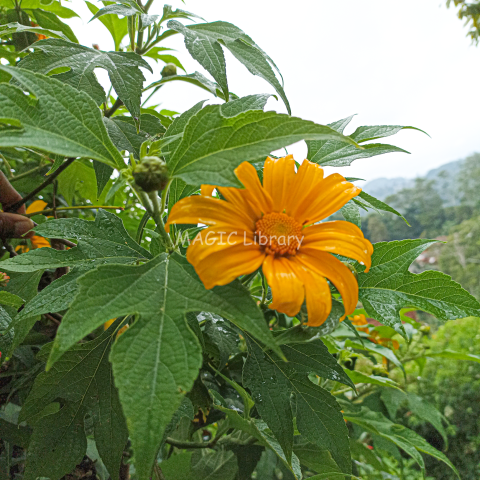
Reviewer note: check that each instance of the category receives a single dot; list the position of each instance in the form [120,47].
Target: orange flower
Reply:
[276,226]
[37,241]
[359,320]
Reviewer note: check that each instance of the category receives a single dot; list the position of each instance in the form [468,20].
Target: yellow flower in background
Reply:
[108,323]
[37,241]
[275,225]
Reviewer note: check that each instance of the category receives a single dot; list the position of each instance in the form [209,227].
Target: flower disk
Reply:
[279,233]
[277,226]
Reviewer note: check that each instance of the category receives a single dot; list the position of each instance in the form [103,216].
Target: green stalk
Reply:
[157,216]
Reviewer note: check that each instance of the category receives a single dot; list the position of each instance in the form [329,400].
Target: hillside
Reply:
[443,177]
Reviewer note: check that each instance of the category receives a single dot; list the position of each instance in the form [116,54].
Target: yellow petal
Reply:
[326,198]
[220,256]
[340,275]
[207,190]
[307,181]
[257,196]
[36,206]
[39,242]
[339,239]
[209,211]
[287,290]
[278,177]
[239,199]
[317,293]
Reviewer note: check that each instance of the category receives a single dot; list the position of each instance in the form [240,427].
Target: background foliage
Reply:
[210,384]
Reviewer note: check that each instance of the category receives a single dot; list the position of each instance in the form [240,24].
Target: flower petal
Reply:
[278,177]
[341,239]
[334,192]
[306,183]
[219,256]
[207,190]
[340,275]
[317,293]
[210,211]
[239,199]
[257,196]
[36,206]
[287,290]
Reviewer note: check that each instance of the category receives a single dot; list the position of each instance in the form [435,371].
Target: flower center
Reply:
[279,234]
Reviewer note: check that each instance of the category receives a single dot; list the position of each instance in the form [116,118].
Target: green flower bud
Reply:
[151,174]
[425,329]
[380,371]
[169,70]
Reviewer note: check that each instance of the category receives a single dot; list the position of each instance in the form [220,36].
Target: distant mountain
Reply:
[444,178]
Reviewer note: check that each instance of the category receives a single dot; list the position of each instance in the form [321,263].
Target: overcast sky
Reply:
[399,62]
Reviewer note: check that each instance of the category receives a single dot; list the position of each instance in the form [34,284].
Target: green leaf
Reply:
[53,298]
[373,132]
[406,439]
[372,202]
[318,416]
[161,292]
[117,9]
[359,377]
[81,132]
[14,27]
[375,348]
[214,143]
[259,430]
[169,13]
[220,338]
[154,53]
[428,412]
[455,355]
[118,27]
[209,37]
[79,177]
[196,79]
[177,467]
[389,286]
[123,69]
[52,22]
[316,459]
[6,336]
[10,299]
[103,241]
[213,465]
[206,51]
[53,6]
[351,213]
[103,173]
[57,445]
[83,378]
[124,134]
[14,434]
[337,154]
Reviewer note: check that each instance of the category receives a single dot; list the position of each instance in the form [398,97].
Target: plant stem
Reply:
[77,207]
[48,181]
[27,173]
[147,6]
[5,161]
[157,216]
[118,103]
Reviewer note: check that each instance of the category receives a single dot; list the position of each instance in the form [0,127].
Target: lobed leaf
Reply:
[80,133]
[156,361]
[123,69]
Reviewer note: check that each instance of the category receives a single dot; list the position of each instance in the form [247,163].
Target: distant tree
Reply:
[377,230]
[460,257]
[470,12]
[468,182]
[422,207]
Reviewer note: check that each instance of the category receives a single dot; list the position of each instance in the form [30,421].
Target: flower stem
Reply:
[157,216]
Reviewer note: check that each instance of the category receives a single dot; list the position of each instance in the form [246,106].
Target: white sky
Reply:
[399,62]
